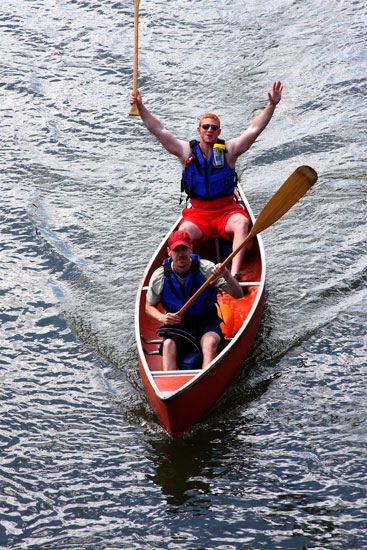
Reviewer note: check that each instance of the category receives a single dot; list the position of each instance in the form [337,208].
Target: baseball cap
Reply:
[179,237]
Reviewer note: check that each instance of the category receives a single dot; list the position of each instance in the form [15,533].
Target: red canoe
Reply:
[181,398]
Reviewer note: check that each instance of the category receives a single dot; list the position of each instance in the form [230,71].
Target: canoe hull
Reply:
[182,398]
[182,410]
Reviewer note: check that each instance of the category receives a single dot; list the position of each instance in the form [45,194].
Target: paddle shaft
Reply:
[134,111]
[298,183]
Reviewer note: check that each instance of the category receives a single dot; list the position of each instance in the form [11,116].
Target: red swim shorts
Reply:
[211,217]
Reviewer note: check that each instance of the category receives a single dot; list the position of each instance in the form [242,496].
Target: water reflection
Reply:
[180,466]
[185,467]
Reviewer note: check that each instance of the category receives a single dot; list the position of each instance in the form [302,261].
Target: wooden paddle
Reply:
[283,199]
[134,111]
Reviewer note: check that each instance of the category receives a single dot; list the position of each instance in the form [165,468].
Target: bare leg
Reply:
[237,229]
[193,230]
[209,344]
[169,355]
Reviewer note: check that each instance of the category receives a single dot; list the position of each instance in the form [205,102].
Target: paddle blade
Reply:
[298,183]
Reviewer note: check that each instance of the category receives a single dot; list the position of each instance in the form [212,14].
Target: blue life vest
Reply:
[200,180]
[175,295]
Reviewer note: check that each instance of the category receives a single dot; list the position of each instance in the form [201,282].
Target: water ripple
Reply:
[86,196]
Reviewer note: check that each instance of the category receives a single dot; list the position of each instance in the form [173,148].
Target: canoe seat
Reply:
[154,352]
[156,342]
[223,247]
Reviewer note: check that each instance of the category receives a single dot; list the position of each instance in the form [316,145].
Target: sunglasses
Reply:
[212,126]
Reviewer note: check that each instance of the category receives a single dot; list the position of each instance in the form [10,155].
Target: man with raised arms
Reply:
[211,185]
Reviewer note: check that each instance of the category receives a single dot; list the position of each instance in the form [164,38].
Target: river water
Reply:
[86,196]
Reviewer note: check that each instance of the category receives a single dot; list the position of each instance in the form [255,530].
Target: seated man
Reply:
[172,284]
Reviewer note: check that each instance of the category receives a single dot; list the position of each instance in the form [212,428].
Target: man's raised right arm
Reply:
[177,147]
